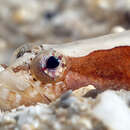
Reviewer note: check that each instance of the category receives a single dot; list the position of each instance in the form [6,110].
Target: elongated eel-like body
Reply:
[42,73]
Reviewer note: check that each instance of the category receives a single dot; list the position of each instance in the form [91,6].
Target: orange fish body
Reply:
[105,69]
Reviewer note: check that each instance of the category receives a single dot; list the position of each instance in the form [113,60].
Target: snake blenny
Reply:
[42,73]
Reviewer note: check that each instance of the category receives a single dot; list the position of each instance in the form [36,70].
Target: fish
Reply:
[43,72]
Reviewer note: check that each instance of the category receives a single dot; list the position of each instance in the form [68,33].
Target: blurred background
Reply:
[58,21]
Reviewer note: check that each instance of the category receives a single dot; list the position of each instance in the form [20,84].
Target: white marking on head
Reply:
[36,83]
[4,93]
[1,68]
[48,85]
[18,98]
[12,81]
[33,93]
[59,83]
[59,86]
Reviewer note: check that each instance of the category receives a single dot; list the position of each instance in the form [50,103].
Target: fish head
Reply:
[37,73]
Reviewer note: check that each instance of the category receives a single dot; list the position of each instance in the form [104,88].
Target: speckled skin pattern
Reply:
[28,83]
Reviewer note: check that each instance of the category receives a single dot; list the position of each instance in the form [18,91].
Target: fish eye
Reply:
[48,66]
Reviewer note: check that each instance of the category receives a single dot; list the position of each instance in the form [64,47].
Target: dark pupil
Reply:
[52,62]
[50,15]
